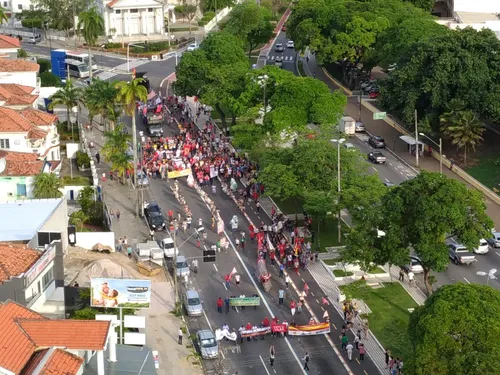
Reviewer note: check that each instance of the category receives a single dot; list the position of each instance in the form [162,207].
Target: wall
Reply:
[223,13]
[71,149]
[9,185]
[13,290]
[87,240]
[476,6]
[58,222]
[72,190]
[19,78]
[17,141]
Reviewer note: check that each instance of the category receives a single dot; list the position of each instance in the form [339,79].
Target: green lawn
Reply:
[290,206]
[389,317]
[342,273]
[328,233]
[331,262]
[76,181]
[487,171]
[376,270]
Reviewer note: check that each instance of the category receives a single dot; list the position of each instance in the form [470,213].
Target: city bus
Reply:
[77,69]
[81,57]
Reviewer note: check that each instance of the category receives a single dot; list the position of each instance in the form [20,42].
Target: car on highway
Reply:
[279,47]
[495,240]
[483,247]
[376,141]
[359,127]
[459,254]
[34,39]
[192,47]
[192,303]
[414,265]
[389,184]
[376,157]
[278,61]
[290,44]
[209,348]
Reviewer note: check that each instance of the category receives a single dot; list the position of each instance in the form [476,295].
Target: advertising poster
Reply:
[130,293]
[309,330]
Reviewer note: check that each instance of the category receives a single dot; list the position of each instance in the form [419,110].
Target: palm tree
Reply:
[128,94]
[451,114]
[92,25]
[47,185]
[68,95]
[116,143]
[3,15]
[100,98]
[467,132]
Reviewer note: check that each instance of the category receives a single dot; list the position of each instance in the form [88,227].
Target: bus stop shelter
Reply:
[411,143]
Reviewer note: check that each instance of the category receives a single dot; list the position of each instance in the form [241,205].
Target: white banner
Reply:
[220,334]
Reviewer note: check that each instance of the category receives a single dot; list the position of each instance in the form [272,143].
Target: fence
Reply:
[72,192]
[88,240]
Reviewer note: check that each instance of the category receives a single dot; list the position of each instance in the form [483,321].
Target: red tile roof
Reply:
[38,118]
[15,260]
[62,363]
[16,348]
[18,65]
[71,334]
[9,42]
[34,361]
[13,94]
[112,3]
[19,164]
[12,121]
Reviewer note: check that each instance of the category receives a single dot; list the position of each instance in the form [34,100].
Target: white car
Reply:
[290,44]
[349,146]
[413,266]
[483,247]
[192,47]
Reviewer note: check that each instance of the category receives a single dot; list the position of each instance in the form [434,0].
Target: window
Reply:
[150,9]
[5,4]
[4,143]
[45,238]
[134,10]
[48,278]
[118,11]
[20,6]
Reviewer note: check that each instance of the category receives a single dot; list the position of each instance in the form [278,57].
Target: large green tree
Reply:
[47,185]
[70,97]
[215,73]
[60,14]
[91,25]
[456,332]
[250,22]
[101,98]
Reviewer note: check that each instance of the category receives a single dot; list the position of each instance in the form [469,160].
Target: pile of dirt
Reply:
[102,268]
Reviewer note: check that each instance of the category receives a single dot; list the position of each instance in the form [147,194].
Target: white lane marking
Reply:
[215,267]
[387,180]
[263,364]
[468,282]
[263,299]
[312,294]
[496,252]
[223,356]
[223,283]
[236,308]
[208,321]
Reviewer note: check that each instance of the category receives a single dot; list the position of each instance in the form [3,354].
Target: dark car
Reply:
[376,142]
[156,220]
[376,157]
[152,207]
[279,47]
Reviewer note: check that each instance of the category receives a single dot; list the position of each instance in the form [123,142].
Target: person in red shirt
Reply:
[170,215]
[248,327]
[220,303]
[265,322]
[293,306]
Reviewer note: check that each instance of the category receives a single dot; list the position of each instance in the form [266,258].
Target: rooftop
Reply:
[38,118]
[21,219]
[21,164]
[23,331]
[13,94]
[12,121]
[15,260]
[18,65]
[132,360]
[473,17]
[7,42]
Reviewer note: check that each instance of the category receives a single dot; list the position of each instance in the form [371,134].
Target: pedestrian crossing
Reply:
[120,69]
[285,58]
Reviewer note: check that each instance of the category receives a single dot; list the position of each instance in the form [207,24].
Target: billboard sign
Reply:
[113,293]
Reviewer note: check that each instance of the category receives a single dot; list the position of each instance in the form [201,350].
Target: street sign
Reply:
[379,115]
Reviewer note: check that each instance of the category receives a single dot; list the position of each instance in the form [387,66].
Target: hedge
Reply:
[32,22]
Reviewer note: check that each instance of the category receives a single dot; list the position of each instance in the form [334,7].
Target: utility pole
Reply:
[417,148]
[74,22]
[175,271]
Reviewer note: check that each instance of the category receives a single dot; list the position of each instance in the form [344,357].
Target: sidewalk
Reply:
[391,136]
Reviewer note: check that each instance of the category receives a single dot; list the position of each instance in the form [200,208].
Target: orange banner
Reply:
[312,329]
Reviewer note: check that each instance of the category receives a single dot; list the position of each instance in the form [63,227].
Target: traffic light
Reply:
[208,255]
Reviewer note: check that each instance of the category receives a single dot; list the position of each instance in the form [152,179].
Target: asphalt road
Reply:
[289,54]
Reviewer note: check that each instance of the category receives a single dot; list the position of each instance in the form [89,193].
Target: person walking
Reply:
[272,355]
[220,302]
[344,342]
[362,351]
[357,337]
[387,357]
[349,349]
[306,361]
[401,275]
[411,278]
[98,157]
[228,281]
[237,279]
[118,213]
[226,303]
[180,336]
[282,270]
[287,280]
[293,306]
[281,296]
[242,328]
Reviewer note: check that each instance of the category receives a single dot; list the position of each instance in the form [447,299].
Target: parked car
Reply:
[167,244]
[374,93]
[279,47]
[192,303]
[414,265]
[290,44]
[494,241]
[389,184]
[278,61]
[209,348]
[37,38]
[483,247]
[376,157]
[359,126]
[458,253]
[142,179]
[376,142]
[181,266]
[192,47]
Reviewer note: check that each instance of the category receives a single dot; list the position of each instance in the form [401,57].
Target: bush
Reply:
[82,159]
[112,45]
[21,53]
[45,65]
[152,47]
[49,79]
[208,16]
[181,29]
[202,23]
[32,22]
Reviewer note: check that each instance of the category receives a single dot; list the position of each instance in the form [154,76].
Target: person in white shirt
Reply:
[237,279]
[287,280]
[349,348]
[411,278]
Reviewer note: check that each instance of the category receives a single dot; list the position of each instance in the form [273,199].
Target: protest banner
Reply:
[181,173]
[255,332]
[309,330]
[278,328]
[246,301]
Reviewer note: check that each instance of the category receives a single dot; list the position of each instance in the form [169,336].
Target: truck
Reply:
[347,125]
[154,122]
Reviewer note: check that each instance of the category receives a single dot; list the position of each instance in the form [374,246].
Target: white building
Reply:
[9,47]
[126,19]
[19,72]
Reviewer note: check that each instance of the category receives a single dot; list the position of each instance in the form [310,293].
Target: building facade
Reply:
[19,72]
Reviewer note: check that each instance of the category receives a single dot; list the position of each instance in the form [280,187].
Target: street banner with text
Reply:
[181,173]
[247,301]
[255,332]
[309,330]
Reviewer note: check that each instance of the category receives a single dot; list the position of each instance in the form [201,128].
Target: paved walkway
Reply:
[391,135]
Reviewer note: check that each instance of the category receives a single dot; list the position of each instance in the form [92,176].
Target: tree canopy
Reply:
[456,332]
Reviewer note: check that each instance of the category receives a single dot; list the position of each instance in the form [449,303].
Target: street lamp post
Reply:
[338,142]
[128,53]
[417,146]
[489,275]
[262,81]
[440,145]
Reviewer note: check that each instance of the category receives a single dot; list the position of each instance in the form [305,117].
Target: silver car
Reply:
[414,265]
[192,303]
[209,348]
[142,179]
[359,126]
[181,266]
